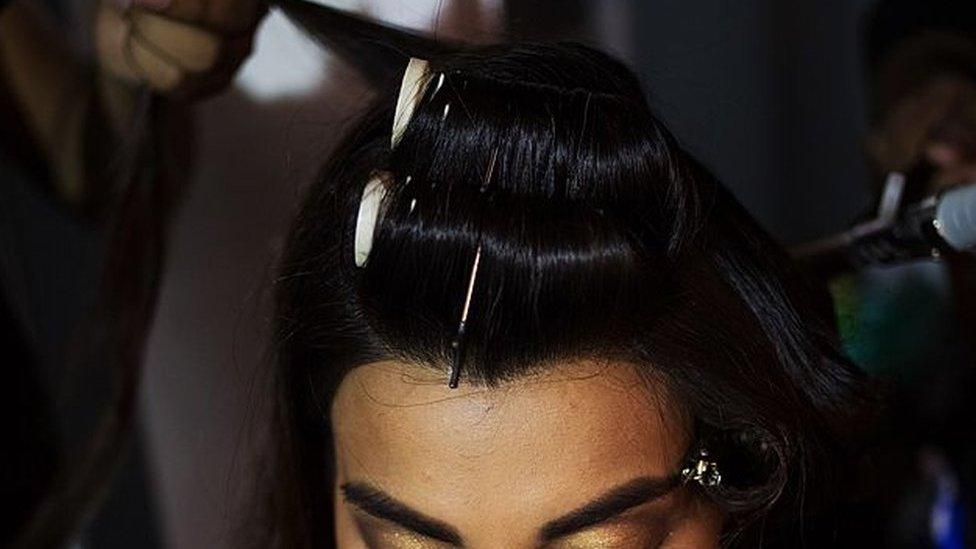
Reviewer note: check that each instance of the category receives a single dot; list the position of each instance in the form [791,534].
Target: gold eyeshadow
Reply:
[606,537]
[381,534]
[643,526]
[400,539]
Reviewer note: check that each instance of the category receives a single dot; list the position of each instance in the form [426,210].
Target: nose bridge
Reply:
[505,526]
[507,522]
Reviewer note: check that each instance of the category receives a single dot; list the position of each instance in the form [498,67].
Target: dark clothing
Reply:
[896,20]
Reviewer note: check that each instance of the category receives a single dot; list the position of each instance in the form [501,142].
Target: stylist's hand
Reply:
[181,48]
[935,124]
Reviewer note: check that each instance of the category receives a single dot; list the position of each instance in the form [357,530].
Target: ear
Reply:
[379,52]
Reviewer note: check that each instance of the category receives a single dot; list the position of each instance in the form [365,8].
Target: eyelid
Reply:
[376,503]
[362,518]
[655,512]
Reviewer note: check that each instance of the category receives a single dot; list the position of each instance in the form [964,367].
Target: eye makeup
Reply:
[603,538]
[377,533]
[638,513]
[369,500]
[646,526]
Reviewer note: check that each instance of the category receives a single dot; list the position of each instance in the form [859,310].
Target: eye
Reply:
[644,527]
[609,538]
[377,533]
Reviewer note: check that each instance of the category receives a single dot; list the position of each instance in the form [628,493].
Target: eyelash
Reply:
[647,535]
[368,535]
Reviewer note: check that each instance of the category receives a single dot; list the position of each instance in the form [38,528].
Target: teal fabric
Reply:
[895,321]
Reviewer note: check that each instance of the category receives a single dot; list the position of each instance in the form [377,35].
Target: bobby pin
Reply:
[440,82]
[491,170]
[459,340]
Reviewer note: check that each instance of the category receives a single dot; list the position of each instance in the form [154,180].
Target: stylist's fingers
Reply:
[173,57]
[222,16]
[132,48]
[194,86]
[126,56]
[180,59]
[190,48]
[954,163]
[941,111]
[218,76]
[111,35]
[157,69]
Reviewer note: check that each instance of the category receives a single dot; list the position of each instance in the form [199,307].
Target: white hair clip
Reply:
[369,212]
[415,79]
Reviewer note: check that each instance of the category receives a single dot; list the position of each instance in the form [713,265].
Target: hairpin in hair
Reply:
[459,340]
[491,170]
[415,79]
[702,470]
[458,344]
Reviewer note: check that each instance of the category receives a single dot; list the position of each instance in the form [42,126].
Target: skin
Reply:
[185,49]
[936,123]
[180,49]
[508,466]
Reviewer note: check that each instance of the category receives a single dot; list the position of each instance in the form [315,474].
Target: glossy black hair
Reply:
[601,237]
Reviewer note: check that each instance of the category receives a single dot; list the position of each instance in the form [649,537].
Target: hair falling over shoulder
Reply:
[598,235]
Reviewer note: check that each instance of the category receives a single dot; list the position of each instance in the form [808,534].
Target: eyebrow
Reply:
[381,505]
[626,496]
[638,491]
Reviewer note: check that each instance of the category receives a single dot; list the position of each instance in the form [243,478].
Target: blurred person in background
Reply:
[84,87]
[91,95]
[915,324]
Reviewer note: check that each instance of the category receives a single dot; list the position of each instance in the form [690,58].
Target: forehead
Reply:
[535,448]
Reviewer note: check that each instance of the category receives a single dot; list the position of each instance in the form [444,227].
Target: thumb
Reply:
[224,16]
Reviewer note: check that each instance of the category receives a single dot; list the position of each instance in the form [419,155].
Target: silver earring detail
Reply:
[702,470]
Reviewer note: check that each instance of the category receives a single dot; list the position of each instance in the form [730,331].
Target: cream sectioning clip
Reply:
[415,79]
[412,86]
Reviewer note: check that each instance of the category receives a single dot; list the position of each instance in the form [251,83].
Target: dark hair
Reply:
[600,237]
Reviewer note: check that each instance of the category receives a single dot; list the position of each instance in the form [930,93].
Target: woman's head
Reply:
[584,454]
[626,313]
